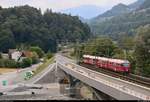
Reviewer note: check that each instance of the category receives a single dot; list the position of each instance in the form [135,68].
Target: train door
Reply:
[91,61]
[99,63]
[114,67]
[85,60]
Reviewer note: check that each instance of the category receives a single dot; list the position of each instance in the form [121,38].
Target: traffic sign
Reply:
[4,82]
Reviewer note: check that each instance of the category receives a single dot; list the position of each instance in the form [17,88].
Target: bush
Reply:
[35,58]
[49,55]
[8,63]
[27,62]
[0,55]
[38,50]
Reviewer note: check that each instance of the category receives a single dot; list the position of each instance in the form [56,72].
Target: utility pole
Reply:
[125,52]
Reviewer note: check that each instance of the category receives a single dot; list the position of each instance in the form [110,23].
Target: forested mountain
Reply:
[26,25]
[118,10]
[145,5]
[115,11]
[126,23]
[136,4]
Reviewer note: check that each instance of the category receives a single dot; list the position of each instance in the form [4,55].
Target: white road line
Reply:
[44,73]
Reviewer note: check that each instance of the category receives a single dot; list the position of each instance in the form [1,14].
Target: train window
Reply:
[118,64]
[126,64]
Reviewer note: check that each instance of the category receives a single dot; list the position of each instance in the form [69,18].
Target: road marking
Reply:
[51,67]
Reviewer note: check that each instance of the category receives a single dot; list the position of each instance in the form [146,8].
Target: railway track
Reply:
[128,77]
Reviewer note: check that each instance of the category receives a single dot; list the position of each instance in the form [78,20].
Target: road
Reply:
[13,78]
[43,85]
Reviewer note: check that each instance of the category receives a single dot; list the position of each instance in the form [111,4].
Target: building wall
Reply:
[16,55]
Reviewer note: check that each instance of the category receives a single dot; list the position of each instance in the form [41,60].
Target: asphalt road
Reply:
[13,78]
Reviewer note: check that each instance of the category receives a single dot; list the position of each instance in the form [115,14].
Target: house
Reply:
[19,55]
[25,54]
[16,55]
[10,52]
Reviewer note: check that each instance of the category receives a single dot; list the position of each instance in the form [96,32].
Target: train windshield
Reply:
[126,64]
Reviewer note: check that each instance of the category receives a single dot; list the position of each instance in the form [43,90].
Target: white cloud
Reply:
[58,5]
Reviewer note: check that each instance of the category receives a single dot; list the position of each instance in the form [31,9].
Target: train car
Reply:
[116,65]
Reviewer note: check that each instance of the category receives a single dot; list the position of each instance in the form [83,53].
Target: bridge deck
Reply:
[114,87]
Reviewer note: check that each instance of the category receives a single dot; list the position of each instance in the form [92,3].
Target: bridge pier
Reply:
[74,88]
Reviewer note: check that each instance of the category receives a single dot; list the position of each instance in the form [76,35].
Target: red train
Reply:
[116,65]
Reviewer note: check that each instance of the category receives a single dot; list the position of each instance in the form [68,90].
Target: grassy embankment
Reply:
[44,65]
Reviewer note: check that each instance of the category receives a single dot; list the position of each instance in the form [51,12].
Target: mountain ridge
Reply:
[118,9]
[126,23]
[85,11]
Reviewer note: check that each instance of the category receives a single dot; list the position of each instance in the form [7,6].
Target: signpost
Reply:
[4,82]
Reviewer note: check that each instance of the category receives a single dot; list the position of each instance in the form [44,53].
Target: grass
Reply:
[6,70]
[69,56]
[44,65]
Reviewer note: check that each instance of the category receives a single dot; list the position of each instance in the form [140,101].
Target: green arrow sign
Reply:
[4,82]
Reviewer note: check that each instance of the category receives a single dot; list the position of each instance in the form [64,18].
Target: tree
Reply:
[26,62]
[7,63]
[6,40]
[0,55]
[38,50]
[126,42]
[101,47]
[35,58]
[142,50]
[49,55]
[25,25]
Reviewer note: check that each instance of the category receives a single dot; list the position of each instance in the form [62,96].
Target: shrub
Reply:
[49,55]
[8,63]
[38,50]
[26,62]
[35,58]
[0,55]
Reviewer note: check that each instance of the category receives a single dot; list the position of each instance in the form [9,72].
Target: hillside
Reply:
[115,11]
[127,22]
[145,5]
[26,25]
[136,4]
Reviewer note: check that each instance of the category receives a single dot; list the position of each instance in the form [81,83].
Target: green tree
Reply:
[49,55]
[0,55]
[25,25]
[142,50]
[38,50]
[26,62]
[126,42]
[6,40]
[101,47]
[7,63]
[35,58]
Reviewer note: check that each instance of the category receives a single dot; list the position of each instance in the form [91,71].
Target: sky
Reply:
[59,5]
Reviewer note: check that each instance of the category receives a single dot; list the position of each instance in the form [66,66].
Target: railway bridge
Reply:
[114,87]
